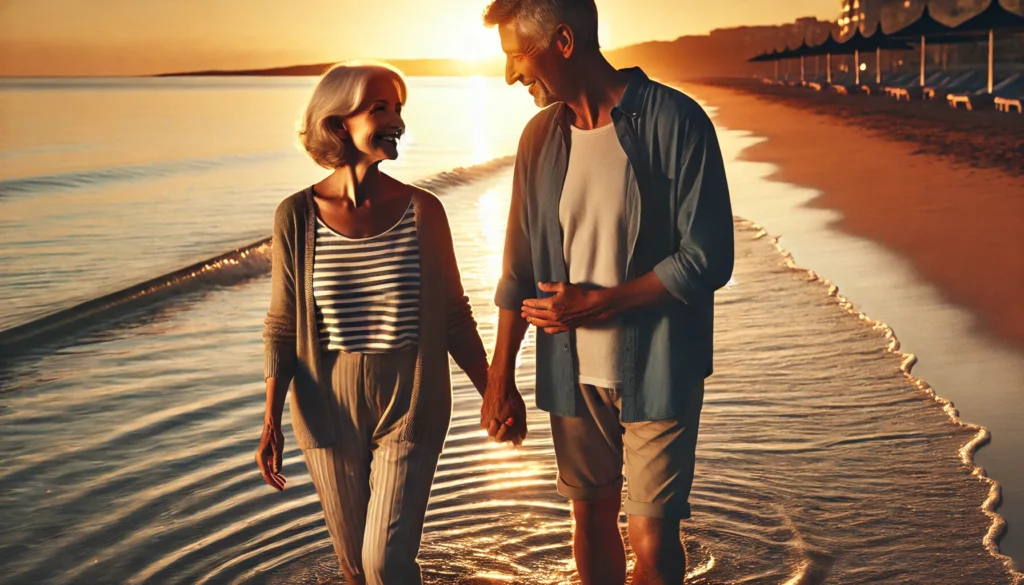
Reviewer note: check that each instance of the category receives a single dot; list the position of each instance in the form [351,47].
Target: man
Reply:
[619,232]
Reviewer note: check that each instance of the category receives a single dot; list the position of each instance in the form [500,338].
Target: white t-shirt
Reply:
[592,212]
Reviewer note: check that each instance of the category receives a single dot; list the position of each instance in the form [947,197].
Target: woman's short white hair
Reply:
[339,93]
[537,19]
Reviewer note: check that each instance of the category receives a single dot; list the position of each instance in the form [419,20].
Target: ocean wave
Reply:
[225,269]
[93,178]
[222,270]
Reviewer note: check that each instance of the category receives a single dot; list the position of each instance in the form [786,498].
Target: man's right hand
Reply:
[503,412]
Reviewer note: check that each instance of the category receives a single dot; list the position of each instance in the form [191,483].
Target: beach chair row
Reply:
[961,89]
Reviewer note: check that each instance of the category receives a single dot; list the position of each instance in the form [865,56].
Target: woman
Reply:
[366,305]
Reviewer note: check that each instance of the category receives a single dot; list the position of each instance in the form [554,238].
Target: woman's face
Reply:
[374,129]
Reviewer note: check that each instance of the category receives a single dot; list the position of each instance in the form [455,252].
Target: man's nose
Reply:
[511,76]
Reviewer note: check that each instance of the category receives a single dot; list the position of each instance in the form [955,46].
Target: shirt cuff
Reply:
[511,293]
[672,278]
[278,360]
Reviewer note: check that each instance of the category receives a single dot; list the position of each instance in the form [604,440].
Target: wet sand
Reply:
[895,173]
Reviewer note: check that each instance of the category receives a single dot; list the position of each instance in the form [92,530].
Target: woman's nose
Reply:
[396,120]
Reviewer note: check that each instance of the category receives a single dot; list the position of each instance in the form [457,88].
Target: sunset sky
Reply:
[125,37]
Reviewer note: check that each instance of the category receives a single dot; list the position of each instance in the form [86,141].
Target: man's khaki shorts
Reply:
[659,455]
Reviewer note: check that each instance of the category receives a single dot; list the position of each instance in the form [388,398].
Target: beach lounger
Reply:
[892,78]
[848,89]
[841,83]
[1009,104]
[908,80]
[890,90]
[960,83]
[889,87]
[916,90]
[1009,89]
[815,82]
[955,100]
[819,85]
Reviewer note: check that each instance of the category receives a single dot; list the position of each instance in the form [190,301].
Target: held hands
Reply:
[269,455]
[503,412]
[571,306]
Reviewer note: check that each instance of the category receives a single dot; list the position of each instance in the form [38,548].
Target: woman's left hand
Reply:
[269,455]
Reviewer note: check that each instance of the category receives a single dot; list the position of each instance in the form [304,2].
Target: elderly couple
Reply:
[619,233]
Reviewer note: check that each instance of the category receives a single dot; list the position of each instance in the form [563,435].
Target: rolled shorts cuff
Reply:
[589,493]
[671,511]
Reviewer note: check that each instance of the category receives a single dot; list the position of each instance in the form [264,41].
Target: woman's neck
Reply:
[355,183]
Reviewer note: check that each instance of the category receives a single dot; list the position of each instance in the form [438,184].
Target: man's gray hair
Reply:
[537,19]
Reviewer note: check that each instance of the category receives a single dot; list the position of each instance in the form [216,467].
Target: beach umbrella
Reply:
[770,57]
[879,40]
[765,57]
[784,55]
[828,48]
[773,56]
[925,26]
[854,45]
[777,57]
[802,51]
[993,18]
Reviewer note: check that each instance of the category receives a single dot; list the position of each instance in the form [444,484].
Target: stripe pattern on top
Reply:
[366,290]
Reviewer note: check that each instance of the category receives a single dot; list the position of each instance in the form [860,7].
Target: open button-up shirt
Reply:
[679,224]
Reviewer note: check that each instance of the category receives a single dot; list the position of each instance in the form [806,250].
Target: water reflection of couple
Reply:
[613,250]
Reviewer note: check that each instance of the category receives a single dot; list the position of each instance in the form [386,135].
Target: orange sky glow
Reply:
[133,37]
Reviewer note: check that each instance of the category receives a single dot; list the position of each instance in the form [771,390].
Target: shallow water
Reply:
[982,375]
[127,447]
[128,454]
[105,183]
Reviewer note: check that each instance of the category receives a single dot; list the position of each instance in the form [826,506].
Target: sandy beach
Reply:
[915,179]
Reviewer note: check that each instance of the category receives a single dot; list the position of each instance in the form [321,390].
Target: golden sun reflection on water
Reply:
[492,211]
[478,119]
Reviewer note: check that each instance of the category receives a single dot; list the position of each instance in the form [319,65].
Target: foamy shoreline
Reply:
[944,371]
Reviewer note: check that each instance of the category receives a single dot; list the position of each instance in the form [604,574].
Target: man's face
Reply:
[532,64]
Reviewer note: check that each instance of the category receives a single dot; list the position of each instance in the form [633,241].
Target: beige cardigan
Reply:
[291,335]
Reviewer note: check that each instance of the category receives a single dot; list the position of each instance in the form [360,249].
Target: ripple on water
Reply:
[129,458]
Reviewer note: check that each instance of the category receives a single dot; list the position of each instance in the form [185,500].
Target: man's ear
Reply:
[565,40]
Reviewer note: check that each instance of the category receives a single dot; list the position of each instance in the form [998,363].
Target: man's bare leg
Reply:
[596,542]
[660,557]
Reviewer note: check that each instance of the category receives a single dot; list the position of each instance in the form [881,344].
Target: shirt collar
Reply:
[632,98]
[629,104]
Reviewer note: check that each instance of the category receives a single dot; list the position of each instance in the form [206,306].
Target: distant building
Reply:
[893,14]
[862,14]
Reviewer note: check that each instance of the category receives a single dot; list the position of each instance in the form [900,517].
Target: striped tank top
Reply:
[366,290]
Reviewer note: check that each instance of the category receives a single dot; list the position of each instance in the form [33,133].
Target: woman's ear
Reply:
[337,125]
